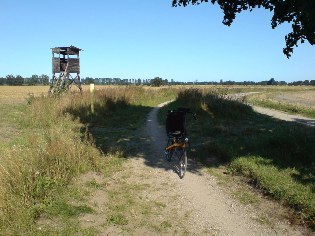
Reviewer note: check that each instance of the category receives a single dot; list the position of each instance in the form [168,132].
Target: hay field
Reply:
[294,100]
[304,98]
[18,94]
[303,95]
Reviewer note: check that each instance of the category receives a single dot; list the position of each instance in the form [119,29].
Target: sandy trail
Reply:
[213,212]
[275,113]
[285,116]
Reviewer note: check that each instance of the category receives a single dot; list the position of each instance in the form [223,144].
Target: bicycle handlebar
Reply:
[187,110]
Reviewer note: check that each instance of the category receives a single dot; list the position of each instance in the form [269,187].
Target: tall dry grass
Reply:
[51,154]
[54,149]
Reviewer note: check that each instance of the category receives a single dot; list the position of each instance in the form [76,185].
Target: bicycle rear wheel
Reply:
[169,155]
[182,162]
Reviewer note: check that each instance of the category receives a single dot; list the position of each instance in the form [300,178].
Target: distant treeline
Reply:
[157,81]
[19,80]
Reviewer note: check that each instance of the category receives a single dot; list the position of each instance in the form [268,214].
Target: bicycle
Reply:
[178,142]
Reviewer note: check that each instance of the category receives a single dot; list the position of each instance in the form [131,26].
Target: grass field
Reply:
[46,143]
[299,101]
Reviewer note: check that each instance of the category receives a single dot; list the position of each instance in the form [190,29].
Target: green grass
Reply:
[41,162]
[62,208]
[276,156]
[245,197]
[9,123]
[277,182]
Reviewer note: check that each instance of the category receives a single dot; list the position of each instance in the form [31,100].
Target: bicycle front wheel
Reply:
[182,163]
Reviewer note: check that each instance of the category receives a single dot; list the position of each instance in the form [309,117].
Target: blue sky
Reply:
[144,39]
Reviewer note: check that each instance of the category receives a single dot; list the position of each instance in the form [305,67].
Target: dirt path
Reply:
[212,211]
[285,116]
[275,113]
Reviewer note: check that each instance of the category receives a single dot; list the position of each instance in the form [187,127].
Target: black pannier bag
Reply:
[175,122]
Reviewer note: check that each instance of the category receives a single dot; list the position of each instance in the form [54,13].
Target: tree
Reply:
[33,80]
[301,13]
[19,80]
[271,82]
[89,80]
[12,80]
[282,83]
[156,82]
[2,81]
[44,79]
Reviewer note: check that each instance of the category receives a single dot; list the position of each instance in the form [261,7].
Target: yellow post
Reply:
[92,97]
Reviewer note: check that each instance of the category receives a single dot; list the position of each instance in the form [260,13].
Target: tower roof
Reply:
[72,50]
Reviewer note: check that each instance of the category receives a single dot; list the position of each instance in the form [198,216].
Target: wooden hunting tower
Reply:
[65,60]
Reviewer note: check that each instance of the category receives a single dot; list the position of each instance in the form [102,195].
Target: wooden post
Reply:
[92,97]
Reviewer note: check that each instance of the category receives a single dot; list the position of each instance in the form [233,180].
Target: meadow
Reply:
[299,101]
[47,142]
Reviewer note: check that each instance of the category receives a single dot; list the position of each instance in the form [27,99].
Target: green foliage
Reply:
[190,98]
[44,79]
[271,82]
[19,80]
[89,80]
[36,80]
[117,219]
[301,14]
[221,106]
[33,80]
[14,80]
[156,82]
[277,182]
[3,81]
[61,208]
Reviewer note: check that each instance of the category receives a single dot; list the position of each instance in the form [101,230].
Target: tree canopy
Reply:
[156,82]
[14,80]
[300,13]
